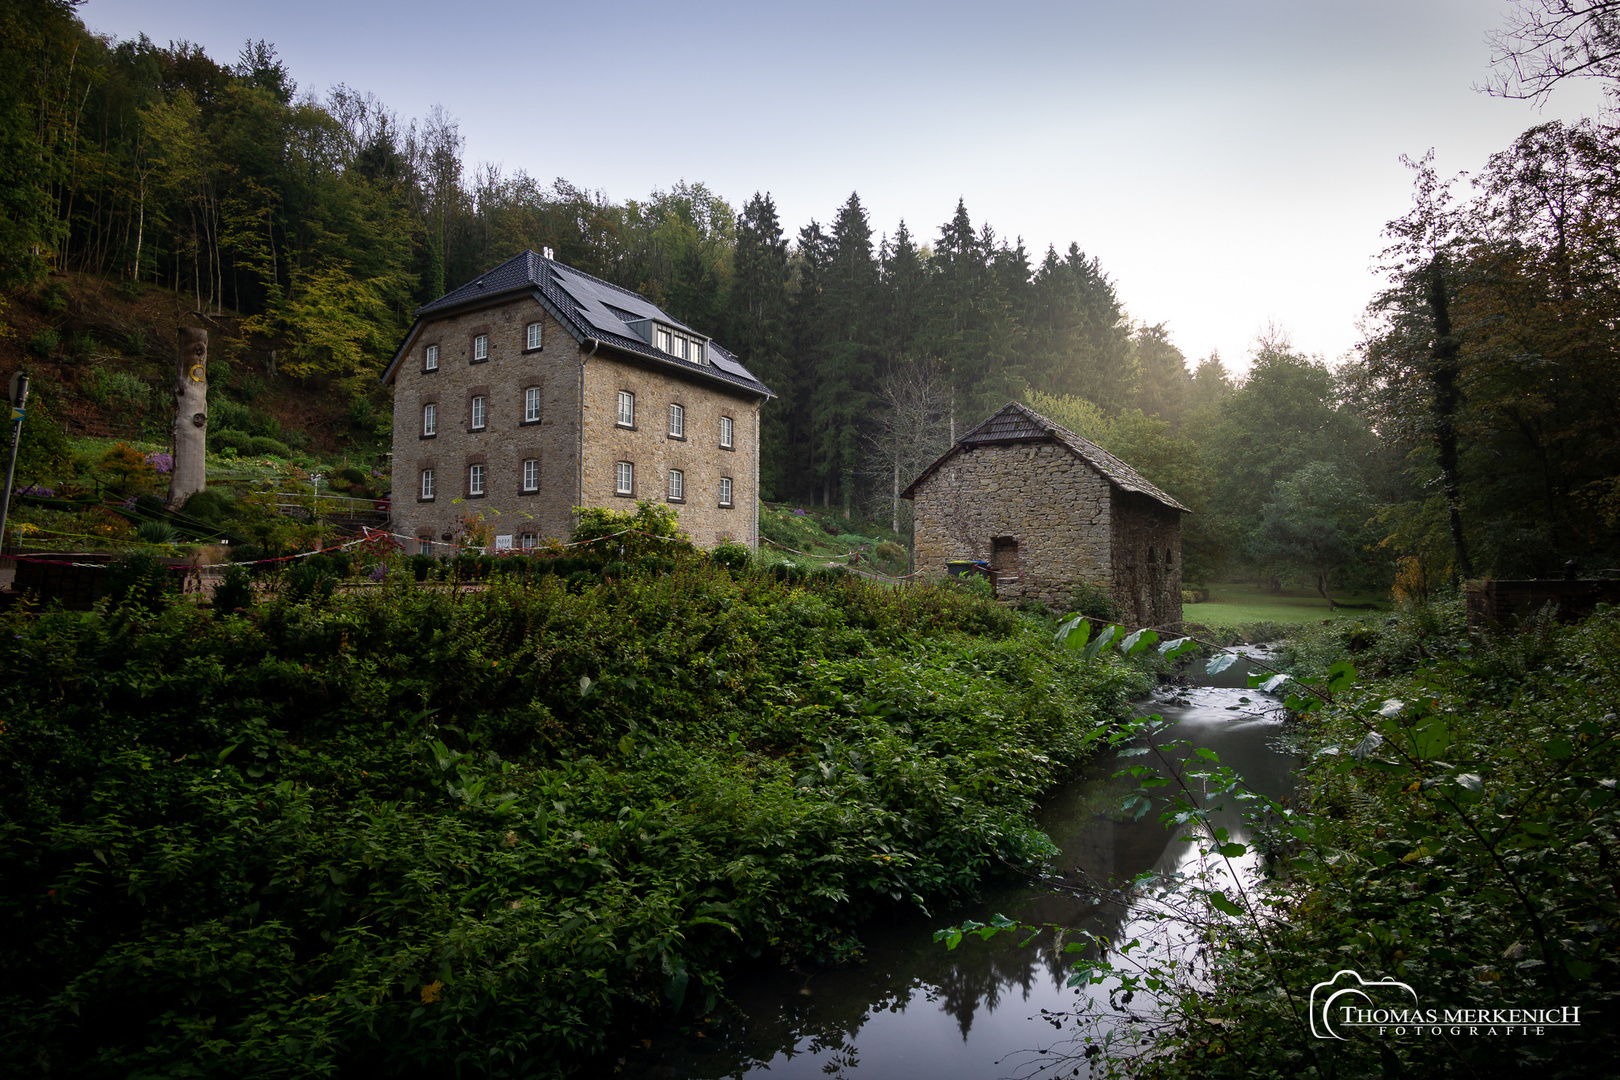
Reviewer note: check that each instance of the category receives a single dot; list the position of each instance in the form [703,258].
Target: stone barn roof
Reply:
[1019,423]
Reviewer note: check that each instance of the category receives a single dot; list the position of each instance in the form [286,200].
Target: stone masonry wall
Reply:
[653,451]
[505,440]
[1146,559]
[1055,507]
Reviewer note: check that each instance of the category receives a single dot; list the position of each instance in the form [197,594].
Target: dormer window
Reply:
[663,339]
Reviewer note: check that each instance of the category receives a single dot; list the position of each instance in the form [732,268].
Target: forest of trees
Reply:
[1475,432]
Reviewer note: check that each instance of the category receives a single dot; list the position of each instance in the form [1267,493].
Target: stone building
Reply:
[538,388]
[1048,510]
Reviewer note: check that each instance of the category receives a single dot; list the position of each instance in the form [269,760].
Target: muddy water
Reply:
[915,1011]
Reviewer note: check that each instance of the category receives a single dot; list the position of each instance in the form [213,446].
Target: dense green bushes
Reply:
[419,829]
[1460,835]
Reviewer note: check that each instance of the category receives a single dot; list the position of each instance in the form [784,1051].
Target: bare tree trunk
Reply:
[190,417]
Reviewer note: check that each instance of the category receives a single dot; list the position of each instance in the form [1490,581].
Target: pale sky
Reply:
[1232,164]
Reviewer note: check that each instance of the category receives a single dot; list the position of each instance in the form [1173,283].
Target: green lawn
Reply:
[1237,605]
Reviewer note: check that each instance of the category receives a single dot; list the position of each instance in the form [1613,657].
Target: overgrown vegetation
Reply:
[416,829]
[1455,830]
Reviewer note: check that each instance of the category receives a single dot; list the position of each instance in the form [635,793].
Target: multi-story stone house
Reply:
[1047,511]
[538,388]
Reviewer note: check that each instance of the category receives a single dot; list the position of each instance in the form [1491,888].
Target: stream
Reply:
[915,1011]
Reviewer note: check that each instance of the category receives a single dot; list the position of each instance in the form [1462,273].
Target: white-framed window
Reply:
[677,421]
[424,545]
[725,433]
[481,347]
[725,491]
[427,483]
[677,485]
[531,405]
[531,474]
[661,338]
[430,420]
[627,409]
[503,542]
[626,480]
[479,413]
[697,352]
[531,336]
[527,541]
[475,479]
[430,358]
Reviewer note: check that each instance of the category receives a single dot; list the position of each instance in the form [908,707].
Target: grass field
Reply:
[1237,605]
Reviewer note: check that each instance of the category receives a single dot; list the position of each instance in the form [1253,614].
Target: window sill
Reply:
[530,423]
[485,360]
[726,506]
[676,501]
[624,494]
[477,430]
[528,491]
[429,435]
[627,427]
[676,438]
[728,449]
[480,495]
[429,498]
[537,348]
[430,371]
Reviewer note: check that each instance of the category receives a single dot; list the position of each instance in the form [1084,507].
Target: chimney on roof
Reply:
[546,252]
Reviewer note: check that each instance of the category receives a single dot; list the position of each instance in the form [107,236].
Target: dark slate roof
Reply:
[1019,423]
[589,308]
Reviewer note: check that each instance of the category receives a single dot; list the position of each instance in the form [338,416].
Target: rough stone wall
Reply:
[1053,505]
[1146,556]
[653,451]
[505,440]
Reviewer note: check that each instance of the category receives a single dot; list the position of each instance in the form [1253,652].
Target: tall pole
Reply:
[19,409]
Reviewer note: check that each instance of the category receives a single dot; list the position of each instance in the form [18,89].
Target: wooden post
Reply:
[190,417]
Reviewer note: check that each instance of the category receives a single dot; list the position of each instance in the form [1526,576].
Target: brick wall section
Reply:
[653,453]
[505,441]
[1038,494]
[1049,521]
[1146,556]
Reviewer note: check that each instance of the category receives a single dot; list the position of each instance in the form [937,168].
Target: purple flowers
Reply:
[38,492]
[799,512]
[378,572]
[161,461]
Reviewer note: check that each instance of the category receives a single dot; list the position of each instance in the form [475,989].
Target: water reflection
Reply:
[914,1011]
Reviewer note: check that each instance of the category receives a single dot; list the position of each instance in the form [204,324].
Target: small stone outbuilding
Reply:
[1047,511]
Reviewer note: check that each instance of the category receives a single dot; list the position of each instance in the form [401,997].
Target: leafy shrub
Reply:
[53,299]
[211,505]
[229,439]
[112,388]
[265,446]
[1093,601]
[139,580]
[732,555]
[307,580]
[234,591]
[44,343]
[127,468]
